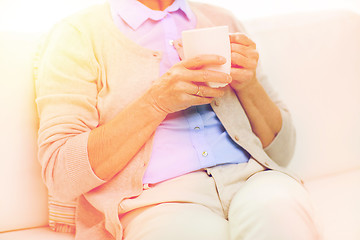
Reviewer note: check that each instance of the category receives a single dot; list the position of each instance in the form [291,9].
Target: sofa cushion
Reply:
[313,60]
[24,203]
[336,198]
[43,233]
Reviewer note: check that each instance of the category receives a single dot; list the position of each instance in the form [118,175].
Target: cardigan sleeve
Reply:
[282,148]
[66,88]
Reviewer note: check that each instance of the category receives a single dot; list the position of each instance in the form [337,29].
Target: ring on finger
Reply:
[198,91]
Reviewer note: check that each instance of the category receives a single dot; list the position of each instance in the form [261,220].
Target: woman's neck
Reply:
[159,5]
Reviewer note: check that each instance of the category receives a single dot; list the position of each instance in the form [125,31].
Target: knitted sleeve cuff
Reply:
[281,149]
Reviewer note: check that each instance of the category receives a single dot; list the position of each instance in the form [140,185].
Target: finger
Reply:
[204,76]
[245,51]
[190,88]
[202,61]
[208,92]
[199,90]
[241,38]
[196,100]
[238,60]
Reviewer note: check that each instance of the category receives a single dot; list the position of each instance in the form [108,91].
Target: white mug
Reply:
[213,40]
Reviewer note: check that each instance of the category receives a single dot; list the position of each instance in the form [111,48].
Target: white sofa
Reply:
[313,59]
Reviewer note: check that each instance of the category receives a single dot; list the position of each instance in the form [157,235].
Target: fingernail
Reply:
[229,78]
[222,59]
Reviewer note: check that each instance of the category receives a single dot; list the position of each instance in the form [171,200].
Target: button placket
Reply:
[171,33]
[198,137]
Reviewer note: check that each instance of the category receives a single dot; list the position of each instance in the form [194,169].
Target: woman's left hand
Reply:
[244,61]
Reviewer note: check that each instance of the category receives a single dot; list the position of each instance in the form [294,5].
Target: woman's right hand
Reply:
[184,85]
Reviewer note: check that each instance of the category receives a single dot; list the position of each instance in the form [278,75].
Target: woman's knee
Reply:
[176,221]
[271,189]
[273,203]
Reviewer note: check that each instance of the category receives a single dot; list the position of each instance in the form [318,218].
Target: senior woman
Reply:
[147,147]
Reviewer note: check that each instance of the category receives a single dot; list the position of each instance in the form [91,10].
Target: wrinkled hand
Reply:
[244,61]
[184,85]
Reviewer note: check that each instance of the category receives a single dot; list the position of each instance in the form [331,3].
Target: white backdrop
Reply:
[39,15]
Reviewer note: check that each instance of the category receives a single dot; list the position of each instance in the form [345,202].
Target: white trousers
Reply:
[235,202]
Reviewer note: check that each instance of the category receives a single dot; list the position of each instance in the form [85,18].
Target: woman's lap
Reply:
[198,206]
[175,221]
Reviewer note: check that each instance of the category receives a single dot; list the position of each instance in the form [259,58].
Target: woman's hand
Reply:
[263,114]
[184,85]
[244,61]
